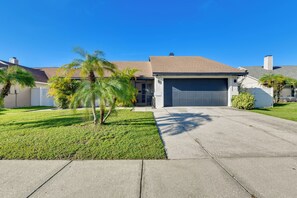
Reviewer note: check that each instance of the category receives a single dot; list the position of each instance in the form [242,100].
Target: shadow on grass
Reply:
[48,123]
[259,109]
[137,121]
[2,111]
[23,109]
[28,109]
[281,104]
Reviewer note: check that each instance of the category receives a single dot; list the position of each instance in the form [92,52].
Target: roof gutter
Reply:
[200,73]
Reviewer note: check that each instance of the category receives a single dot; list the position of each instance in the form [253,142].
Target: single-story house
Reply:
[165,81]
[264,95]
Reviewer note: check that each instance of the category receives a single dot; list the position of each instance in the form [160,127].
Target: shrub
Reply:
[243,101]
[62,89]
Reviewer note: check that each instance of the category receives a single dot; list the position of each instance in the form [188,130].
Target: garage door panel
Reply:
[195,92]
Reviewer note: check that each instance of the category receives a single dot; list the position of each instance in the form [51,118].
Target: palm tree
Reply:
[121,88]
[118,87]
[14,75]
[292,82]
[275,81]
[91,65]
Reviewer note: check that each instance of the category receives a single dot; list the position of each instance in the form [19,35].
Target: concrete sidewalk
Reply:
[119,178]
[236,177]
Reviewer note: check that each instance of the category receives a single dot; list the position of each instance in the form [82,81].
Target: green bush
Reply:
[243,101]
[62,89]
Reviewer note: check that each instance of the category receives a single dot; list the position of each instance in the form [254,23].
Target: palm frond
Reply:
[18,75]
[81,52]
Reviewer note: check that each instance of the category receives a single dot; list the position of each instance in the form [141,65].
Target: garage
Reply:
[196,92]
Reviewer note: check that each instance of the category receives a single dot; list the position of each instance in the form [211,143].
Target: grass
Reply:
[282,110]
[60,134]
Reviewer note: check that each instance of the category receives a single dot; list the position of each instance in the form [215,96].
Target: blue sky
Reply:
[235,32]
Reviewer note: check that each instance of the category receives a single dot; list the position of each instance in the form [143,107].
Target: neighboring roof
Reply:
[38,74]
[190,65]
[258,71]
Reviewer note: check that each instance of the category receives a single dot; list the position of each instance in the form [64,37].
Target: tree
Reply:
[89,66]
[292,82]
[121,89]
[62,89]
[118,87]
[14,75]
[277,82]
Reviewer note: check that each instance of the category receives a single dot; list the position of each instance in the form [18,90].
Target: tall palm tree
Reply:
[14,75]
[91,65]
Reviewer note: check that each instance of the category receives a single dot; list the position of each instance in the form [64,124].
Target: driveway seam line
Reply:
[141,178]
[263,130]
[241,157]
[46,181]
[228,172]
[215,160]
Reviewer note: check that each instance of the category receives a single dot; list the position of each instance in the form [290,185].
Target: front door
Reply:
[145,93]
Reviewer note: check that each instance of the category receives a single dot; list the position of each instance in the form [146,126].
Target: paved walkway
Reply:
[213,152]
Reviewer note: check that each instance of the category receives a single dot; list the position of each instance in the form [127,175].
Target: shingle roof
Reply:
[258,71]
[144,69]
[190,65]
[38,74]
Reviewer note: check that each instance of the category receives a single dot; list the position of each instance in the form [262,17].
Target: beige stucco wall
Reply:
[22,98]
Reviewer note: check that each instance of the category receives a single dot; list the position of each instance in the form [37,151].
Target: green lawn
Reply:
[60,134]
[283,110]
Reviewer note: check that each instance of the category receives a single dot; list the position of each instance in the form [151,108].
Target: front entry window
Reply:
[145,93]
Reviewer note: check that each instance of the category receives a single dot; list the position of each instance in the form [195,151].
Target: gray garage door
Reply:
[195,92]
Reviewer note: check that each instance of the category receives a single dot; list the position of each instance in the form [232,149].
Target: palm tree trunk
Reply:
[278,96]
[4,92]
[110,109]
[92,79]
[94,110]
[101,112]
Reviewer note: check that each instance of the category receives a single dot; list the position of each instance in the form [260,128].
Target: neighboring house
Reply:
[24,97]
[179,81]
[264,95]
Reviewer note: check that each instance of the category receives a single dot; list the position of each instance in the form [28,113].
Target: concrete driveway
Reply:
[259,152]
